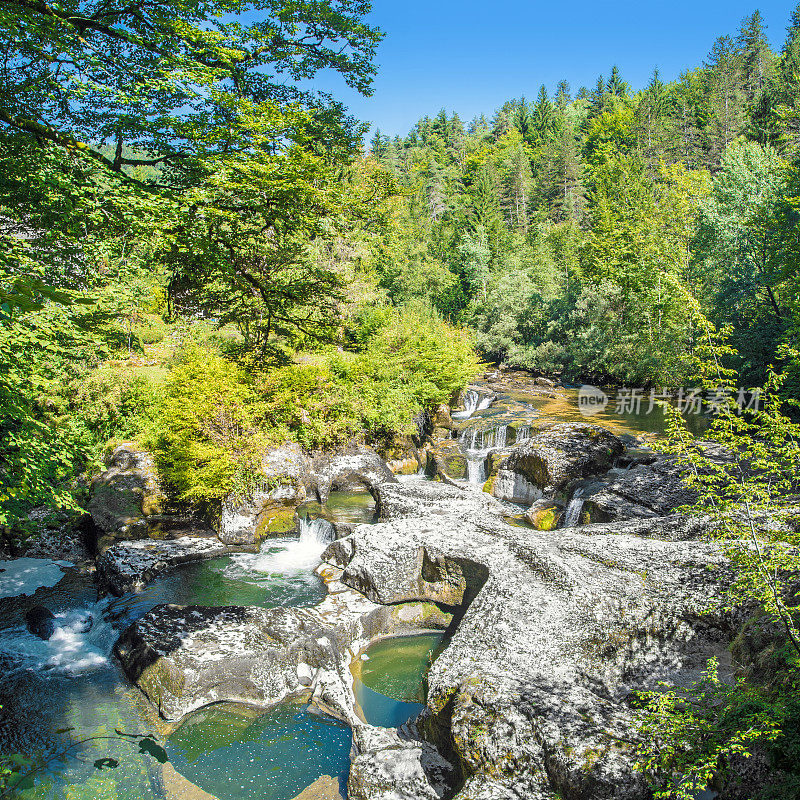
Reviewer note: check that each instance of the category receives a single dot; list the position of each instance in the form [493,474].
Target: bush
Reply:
[205,438]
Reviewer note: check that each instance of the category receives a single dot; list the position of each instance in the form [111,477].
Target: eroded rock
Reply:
[530,698]
[130,566]
[355,468]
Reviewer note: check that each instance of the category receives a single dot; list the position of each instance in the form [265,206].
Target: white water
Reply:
[572,514]
[473,401]
[523,433]
[82,642]
[477,445]
[288,556]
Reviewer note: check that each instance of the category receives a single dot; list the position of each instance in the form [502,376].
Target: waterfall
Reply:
[477,445]
[473,401]
[316,532]
[572,513]
[476,467]
[523,433]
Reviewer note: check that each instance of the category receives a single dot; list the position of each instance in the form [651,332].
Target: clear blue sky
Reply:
[470,56]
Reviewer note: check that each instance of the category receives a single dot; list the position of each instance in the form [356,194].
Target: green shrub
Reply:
[205,440]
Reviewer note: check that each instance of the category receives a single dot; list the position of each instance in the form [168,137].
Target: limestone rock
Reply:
[130,566]
[564,453]
[657,486]
[252,519]
[125,494]
[388,767]
[446,458]
[354,468]
[185,657]
[545,515]
[530,696]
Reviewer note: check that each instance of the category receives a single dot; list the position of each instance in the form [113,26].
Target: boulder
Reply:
[354,468]
[130,566]
[41,622]
[566,452]
[658,487]
[285,470]
[545,515]
[185,657]
[441,417]
[446,458]
[531,696]
[250,520]
[125,494]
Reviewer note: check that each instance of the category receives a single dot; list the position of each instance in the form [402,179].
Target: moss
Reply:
[275,520]
[158,681]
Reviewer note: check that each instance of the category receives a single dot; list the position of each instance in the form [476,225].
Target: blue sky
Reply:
[469,56]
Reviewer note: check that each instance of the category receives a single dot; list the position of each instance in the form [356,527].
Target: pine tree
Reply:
[616,87]
[755,55]
[563,98]
[725,94]
[543,120]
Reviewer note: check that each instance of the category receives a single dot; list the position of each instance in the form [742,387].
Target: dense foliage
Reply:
[569,230]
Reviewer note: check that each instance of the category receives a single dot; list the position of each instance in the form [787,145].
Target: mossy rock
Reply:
[275,520]
[158,681]
[545,515]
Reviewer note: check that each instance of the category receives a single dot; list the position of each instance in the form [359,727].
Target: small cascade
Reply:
[477,444]
[473,401]
[476,467]
[572,513]
[316,532]
[484,440]
[523,433]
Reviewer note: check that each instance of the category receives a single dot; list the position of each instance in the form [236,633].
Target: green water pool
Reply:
[390,677]
[236,752]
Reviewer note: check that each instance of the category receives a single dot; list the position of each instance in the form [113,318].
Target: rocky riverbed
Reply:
[597,591]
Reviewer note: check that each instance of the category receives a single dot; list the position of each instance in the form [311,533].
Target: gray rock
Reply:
[355,468]
[657,487]
[130,566]
[184,657]
[558,629]
[563,453]
[125,494]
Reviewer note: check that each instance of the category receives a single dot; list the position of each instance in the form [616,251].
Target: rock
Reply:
[441,417]
[250,520]
[56,536]
[130,566]
[125,494]
[657,487]
[514,487]
[285,470]
[530,697]
[394,501]
[446,458]
[355,468]
[41,622]
[185,657]
[305,675]
[545,515]
[390,768]
[324,788]
[563,453]
[544,382]
[176,787]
